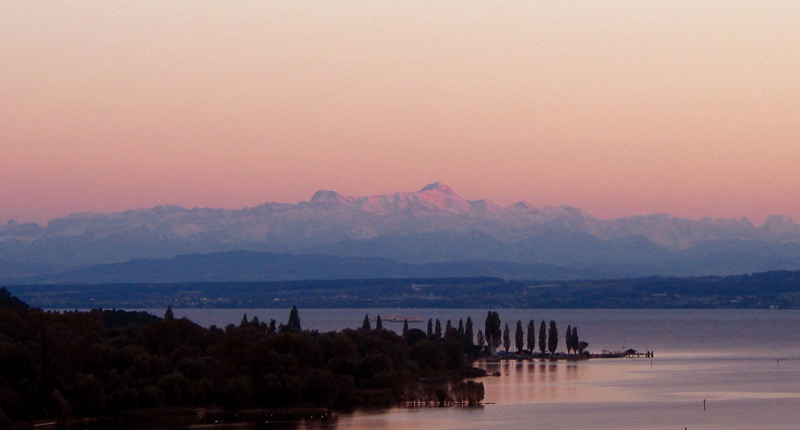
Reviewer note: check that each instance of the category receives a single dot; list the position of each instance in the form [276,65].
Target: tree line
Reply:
[494,335]
[525,342]
[104,362]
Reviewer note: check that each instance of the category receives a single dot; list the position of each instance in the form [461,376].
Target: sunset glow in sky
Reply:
[616,107]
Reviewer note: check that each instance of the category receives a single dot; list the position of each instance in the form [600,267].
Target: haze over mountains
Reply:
[399,234]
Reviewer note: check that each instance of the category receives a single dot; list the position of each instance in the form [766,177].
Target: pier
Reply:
[527,356]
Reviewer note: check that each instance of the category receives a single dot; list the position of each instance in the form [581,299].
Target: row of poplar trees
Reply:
[547,341]
[493,336]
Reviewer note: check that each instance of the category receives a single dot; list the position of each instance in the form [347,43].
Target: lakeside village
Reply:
[124,368]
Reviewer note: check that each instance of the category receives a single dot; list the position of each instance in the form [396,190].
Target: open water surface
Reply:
[713,369]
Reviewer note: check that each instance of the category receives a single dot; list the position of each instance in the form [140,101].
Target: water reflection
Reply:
[746,364]
[540,381]
[599,394]
[211,419]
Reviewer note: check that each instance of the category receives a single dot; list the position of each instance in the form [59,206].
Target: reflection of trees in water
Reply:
[469,393]
[547,373]
[533,380]
[571,372]
[268,419]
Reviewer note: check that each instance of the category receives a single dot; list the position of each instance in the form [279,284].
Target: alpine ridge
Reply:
[433,224]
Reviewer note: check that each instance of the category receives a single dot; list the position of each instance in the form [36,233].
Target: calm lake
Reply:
[743,364]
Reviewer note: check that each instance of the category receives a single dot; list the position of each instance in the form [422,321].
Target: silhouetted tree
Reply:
[405,329]
[244,321]
[568,338]
[531,336]
[518,336]
[366,325]
[430,328]
[101,363]
[552,338]
[437,331]
[481,339]
[577,345]
[469,392]
[451,334]
[492,330]
[506,338]
[415,335]
[294,320]
[169,315]
[468,335]
[542,337]
[378,323]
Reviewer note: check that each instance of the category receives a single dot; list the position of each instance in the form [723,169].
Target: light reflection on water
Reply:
[745,364]
[540,381]
[665,393]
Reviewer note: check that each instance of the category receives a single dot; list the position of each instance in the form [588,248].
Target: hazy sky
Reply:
[617,107]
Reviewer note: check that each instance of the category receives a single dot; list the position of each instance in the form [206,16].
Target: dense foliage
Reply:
[100,363]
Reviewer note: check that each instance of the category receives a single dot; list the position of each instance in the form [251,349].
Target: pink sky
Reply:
[620,108]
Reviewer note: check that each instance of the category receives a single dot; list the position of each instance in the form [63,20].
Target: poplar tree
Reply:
[493,330]
[487,328]
[437,331]
[378,323]
[294,319]
[366,325]
[405,328]
[531,336]
[519,336]
[576,341]
[542,337]
[568,339]
[552,338]
[430,328]
[468,335]
[506,338]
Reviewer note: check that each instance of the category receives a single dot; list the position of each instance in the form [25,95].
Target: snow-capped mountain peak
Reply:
[437,187]
[327,196]
[330,221]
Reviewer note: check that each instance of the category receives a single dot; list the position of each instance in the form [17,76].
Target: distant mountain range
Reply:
[389,235]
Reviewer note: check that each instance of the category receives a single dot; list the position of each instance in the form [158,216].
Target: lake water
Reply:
[743,364]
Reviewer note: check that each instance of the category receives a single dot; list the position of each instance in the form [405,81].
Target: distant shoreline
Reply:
[767,290]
